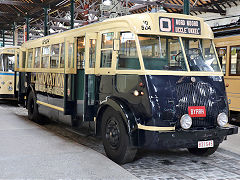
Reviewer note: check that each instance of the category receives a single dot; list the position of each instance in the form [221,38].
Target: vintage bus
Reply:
[8,72]
[145,80]
[228,49]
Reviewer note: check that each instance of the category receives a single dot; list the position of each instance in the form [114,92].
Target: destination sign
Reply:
[177,25]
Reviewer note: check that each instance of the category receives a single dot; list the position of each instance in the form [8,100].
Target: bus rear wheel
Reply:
[32,107]
[203,151]
[115,137]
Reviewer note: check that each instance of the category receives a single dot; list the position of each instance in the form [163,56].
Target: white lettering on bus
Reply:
[197,111]
[180,22]
[192,23]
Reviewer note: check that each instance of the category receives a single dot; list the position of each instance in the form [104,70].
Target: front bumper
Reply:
[183,138]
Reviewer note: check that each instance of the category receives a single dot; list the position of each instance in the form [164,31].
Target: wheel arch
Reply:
[129,118]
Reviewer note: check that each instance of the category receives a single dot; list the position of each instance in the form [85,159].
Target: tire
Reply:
[32,107]
[203,151]
[115,137]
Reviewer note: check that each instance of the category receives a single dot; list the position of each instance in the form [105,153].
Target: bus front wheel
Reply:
[32,107]
[115,137]
[203,151]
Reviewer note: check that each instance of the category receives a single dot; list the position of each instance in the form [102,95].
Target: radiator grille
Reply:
[197,94]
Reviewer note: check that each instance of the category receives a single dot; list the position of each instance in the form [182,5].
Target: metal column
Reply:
[45,21]
[3,38]
[186,7]
[27,28]
[13,34]
[72,14]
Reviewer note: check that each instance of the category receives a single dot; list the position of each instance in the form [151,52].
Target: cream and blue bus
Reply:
[145,80]
[9,61]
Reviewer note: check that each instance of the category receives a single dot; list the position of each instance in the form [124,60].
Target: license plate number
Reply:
[205,144]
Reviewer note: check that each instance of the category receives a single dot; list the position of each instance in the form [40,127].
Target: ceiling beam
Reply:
[19,3]
[219,8]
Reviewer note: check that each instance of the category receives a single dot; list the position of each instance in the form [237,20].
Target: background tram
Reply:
[9,63]
[228,49]
[145,80]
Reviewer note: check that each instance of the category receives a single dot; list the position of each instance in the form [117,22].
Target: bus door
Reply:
[90,78]
[69,77]
[80,77]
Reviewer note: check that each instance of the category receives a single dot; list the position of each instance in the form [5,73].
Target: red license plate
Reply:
[205,144]
[197,111]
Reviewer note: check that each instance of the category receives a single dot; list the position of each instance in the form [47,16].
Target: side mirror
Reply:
[116,44]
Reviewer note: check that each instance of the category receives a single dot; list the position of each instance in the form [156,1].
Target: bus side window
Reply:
[235,60]
[80,52]
[106,50]
[92,53]
[222,56]
[62,56]
[30,58]
[23,59]
[70,55]
[54,58]
[37,57]
[45,56]
[128,57]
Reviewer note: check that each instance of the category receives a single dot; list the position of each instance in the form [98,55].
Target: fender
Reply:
[128,116]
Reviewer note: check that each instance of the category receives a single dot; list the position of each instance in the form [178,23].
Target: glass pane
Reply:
[106,58]
[235,60]
[37,57]
[45,56]
[30,57]
[70,53]
[128,57]
[162,53]
[23,59]
[222,56]
[81,53]
[62,57]
[201,55]
[92,53]
[54,58]
[17,60]
[7,62]
[107,40]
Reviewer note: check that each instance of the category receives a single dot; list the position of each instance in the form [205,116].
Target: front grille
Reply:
[197,94]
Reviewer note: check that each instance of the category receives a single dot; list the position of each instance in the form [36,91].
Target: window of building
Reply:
[106,50]
[54,58]
[37,57]
[45,56]
[30,58]
[235,61]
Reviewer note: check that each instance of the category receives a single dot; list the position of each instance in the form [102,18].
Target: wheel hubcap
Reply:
[113,133]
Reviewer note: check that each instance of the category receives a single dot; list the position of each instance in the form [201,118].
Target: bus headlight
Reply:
[222,119]
[186,121]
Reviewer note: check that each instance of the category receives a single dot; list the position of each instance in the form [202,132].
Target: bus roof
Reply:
[166,24]
[9,49]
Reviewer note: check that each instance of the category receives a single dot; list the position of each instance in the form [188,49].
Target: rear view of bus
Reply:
[8,77]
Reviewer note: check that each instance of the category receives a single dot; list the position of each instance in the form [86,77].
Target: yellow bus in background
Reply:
[9,63]
[228,49]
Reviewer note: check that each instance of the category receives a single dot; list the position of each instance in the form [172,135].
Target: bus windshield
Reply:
[201,55]
[7,62]
[162,53]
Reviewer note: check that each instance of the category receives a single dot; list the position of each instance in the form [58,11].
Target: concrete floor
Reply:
[28,151]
